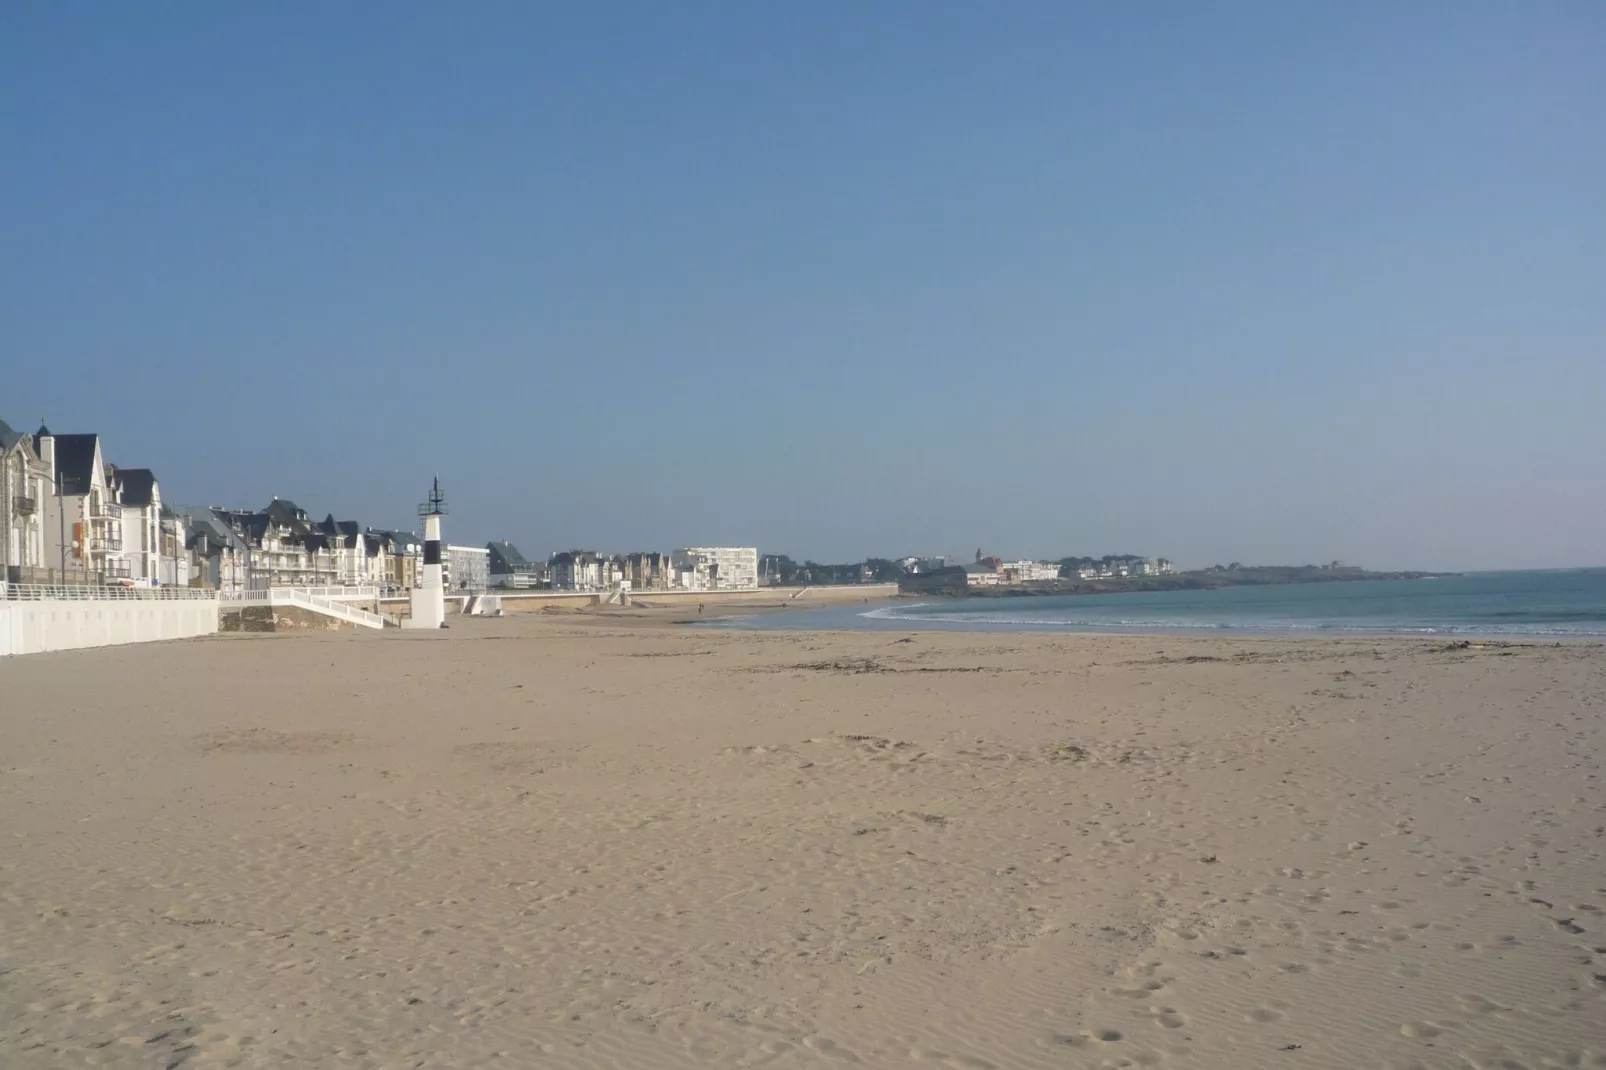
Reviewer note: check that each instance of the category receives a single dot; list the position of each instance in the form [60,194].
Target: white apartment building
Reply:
[140,498]
[716,568]
[466,568]
[1029,571]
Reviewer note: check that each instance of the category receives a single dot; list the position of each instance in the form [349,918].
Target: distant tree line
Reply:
[1107,561]
[781,569]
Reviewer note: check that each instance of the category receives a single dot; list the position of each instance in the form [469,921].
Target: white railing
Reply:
[354,594]
[301,597]
[334,594]
[42,592]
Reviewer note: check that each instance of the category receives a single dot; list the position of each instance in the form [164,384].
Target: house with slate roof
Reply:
[138,495]
[509,568]
[83,530]
[404,552]
[24,496]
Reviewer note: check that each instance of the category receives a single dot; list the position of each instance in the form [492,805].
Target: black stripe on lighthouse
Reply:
[432,551]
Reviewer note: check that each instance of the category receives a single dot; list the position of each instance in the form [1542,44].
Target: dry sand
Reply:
[560,842]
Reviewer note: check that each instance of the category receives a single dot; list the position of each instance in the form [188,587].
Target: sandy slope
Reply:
[556,843]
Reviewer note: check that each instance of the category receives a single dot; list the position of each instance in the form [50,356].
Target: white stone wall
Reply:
[35,627]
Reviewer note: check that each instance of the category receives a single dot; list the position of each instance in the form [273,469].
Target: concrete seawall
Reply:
[534,601]
[517,601]
[37,626]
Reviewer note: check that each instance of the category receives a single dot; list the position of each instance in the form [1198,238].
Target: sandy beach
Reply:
[579,841]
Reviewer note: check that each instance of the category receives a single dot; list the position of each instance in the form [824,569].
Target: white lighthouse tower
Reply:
[428,599]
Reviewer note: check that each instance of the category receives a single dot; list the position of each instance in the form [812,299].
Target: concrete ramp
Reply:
[482,605]
[302,599]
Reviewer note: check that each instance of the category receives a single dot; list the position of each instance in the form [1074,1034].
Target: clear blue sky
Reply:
[1267,281]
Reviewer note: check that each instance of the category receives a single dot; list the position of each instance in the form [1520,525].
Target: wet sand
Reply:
[594,841]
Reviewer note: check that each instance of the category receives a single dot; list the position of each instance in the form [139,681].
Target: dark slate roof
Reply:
[286,512]
[136,486]
[349,528]
[255,525]
[210,525]
[8,437]
[401,542]
[505,557]
[75,460]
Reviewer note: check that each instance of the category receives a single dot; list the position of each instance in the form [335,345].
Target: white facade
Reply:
[24,493]
[1030,571]
[577,570]
[716,568]
[466,568]
[139,497]
[83,527]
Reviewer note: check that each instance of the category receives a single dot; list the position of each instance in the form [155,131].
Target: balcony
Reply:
[105,543]
[24,506]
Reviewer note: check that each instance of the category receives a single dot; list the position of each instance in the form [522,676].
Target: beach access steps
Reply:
[482,605]
[329,601]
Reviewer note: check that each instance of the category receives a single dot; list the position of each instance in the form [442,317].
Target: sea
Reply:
[1551,604]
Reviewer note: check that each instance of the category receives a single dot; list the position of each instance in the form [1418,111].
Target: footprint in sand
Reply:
[1169,1017]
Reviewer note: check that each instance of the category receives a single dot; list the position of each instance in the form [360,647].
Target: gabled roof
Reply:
[401,542]
[330,526]
[286,512]
[209,525]
[505,557]
[135,486]
[8,437]
[75,461]
[254,525]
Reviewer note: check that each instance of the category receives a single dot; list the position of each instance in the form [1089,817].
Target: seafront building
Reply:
[1028,571]
[706,568]
[405,557]
[466,568]
[716,568]
[647,571]
[511,569]
[995,572]
[68,516]
[579,570]
[24,491]
[138,495]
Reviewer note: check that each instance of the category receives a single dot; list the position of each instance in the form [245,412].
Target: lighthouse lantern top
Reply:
[436,505]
